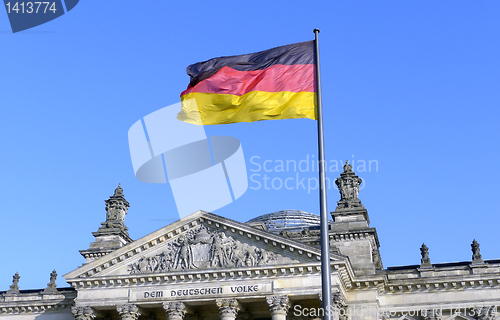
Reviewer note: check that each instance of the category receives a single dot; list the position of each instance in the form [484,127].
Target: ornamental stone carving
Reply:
[425,261]
[228,308]
[128,312]
[201,248]
[278,304]
[377,260]
[339,305]
[83,313]
[52,286]
[14,287]
[348,184]
[175,310]
[476,256]
[116,208]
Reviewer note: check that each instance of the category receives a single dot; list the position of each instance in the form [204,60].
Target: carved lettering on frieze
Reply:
[200,248]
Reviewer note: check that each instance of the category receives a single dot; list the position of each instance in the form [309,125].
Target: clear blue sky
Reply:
[412,85]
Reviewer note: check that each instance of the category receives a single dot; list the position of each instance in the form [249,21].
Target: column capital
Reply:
[175,309]
[228,307]
[83,313]
[128,312]
[337,299]
[278,304]
[338,303]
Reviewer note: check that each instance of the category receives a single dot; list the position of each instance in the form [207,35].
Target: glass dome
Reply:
[287,219]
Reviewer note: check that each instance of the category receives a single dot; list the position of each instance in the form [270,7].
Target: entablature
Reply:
[36,302]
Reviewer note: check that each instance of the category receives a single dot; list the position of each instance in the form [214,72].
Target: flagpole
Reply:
[326,281]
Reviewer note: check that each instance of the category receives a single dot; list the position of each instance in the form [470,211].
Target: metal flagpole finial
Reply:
[316,30]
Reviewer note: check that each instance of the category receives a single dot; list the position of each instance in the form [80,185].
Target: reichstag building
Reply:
[204,266]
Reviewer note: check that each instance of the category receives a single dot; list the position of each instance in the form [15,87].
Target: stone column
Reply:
[278,305]
[228,308]
[83,313]
[128,312]
[175,310]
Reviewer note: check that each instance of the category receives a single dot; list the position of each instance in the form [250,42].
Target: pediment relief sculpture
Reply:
[200,248]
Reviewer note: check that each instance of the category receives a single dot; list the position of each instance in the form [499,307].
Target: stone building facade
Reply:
[205,266]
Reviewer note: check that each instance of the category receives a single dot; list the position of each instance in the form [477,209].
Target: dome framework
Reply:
[287,219]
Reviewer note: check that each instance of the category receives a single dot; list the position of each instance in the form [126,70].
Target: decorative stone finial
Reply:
[118,190]
[347,167]
[52,286]
[476,256]
[348,184]
[117,208]
[14,287]
[425,261]
[113,233]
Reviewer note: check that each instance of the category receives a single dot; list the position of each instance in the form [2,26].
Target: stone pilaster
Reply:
[278,306]
[128,312]
[83,313]
[175,310]
[228,308]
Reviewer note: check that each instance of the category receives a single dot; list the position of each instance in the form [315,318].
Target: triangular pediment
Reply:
[201,242]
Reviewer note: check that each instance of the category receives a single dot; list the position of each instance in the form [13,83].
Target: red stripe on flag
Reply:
[276,78]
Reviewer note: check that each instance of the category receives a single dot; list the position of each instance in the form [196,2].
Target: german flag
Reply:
[278,83]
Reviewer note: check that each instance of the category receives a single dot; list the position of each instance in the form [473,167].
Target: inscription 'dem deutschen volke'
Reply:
[198,291]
